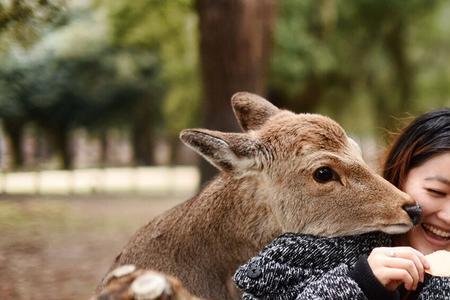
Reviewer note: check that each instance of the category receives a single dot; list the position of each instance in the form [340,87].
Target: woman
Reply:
[419,164]
[306,267]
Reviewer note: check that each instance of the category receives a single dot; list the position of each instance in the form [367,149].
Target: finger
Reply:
[400,275]
[412,255]
[421,262]
[416,256]
[406,265]
[393,285]
[381,250]
[422,258]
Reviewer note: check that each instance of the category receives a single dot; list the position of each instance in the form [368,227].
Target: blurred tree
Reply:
[130,94]
[332,55]
[12,112]
[61,94]
[430,55]
[392,84]
[85,82]
[47,96]
[22,20]
[235,48]
[165,29]
[361,62]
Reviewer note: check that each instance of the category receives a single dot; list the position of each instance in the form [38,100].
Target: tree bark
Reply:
[104,147]
[143,136]
[395,43]
[235,47]
[14,130]
[174,142]
[62,142]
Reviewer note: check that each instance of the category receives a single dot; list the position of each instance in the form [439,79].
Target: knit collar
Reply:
[295,259]
[309,251]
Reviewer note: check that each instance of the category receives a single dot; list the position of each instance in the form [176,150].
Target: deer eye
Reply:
[324,174]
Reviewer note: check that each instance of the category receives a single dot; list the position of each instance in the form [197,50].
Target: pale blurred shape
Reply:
[152,180]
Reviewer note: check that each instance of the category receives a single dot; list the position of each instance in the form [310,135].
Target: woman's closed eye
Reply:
[436,192]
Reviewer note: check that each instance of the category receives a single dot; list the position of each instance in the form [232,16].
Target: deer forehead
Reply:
[299,134]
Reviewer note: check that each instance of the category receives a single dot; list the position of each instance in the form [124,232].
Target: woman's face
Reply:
[429,185]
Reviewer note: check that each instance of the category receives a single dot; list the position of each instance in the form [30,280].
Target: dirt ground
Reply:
[60,247]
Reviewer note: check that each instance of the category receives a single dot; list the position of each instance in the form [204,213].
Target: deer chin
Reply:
[396,228]
[388,229]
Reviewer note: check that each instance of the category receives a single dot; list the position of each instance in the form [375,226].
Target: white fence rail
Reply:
[154,180]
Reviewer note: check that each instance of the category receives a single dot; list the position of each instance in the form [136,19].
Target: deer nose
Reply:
[414,212]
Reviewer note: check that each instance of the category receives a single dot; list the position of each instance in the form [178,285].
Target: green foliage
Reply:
[361,62]
[168,29]
[431,57]
[9,92]
[96,91]
[22,21]
[77,92]
[365,61]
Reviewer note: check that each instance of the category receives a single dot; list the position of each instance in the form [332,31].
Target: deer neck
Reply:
[241,207]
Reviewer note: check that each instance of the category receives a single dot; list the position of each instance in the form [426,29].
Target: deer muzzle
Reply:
[414,212]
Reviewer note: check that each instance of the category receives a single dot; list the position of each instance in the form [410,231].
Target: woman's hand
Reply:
[396,265]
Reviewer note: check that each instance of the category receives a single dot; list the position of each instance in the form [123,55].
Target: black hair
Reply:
[424,137]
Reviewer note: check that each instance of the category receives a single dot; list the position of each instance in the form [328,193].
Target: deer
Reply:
[285,172]
[129,283]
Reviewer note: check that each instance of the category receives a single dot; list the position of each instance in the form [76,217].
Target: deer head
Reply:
[309,172]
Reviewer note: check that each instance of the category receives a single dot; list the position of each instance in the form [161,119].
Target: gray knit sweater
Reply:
[306,267]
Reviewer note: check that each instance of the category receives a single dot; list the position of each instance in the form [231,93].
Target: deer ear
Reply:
[251,110]
[229,152]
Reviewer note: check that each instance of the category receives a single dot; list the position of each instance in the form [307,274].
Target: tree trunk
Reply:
[142,146]
[142,136]
[14,130]
[235,47]
[174,142]
[61,138]
[104,146]
[395,43]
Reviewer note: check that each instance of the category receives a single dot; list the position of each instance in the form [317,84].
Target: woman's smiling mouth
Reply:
[436,234]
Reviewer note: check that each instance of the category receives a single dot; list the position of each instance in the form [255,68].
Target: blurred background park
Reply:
[93,94]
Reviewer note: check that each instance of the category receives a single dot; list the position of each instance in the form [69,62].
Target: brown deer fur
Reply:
[266,188]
